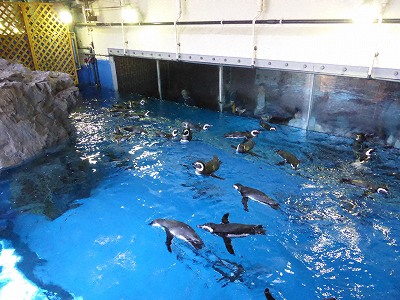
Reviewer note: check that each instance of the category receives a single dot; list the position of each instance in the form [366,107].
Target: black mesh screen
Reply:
[200,80]
[136,75]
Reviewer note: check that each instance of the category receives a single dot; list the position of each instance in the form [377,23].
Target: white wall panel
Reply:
[339,44]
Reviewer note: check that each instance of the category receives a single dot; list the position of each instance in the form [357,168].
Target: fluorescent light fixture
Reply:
[65,17]
[131,14]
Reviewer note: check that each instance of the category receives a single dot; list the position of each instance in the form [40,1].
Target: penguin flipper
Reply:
[254,154]
[215,176]
[228,245]
[225,218]
[281,163]
[245,201]
[169,240]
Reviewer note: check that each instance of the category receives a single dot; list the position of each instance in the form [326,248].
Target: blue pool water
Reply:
[75,224]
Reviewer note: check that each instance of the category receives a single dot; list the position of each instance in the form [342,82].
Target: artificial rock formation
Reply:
[34,109]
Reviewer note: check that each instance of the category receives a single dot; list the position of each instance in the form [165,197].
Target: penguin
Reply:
[143,101]
[198,127]
[169,136]
[267,126]
[370,187]
[289,158]
[179,230]
[118,135]
[365,155]
[228,230]
[268,294]
[246,146]
[256,195]
[361,150]
[137,115]
[135,129]
[242,134]
[207,168]
[186,135]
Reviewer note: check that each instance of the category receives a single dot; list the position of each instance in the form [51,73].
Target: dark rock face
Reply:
[34,109]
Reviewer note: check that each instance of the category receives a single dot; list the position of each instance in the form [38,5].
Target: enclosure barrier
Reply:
[32,33]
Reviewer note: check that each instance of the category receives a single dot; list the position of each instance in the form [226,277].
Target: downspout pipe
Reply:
[178,16]
[260,5]
[383,4]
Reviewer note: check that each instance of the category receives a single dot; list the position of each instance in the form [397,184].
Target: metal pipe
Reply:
[179,14]
[259,12]
[159,78]
[310,101]
[240,22]
[221,87]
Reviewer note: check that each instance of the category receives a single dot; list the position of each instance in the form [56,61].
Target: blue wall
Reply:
[86,76]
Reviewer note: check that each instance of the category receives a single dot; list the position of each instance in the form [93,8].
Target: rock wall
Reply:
[34,109]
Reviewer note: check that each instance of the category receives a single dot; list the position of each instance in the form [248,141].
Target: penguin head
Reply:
[241,148]
[206,227]
[238,187]
[155,223]
[255,132]
[117,130]
[143,101]
[199,166]
[382,190]
[206,126]
[185,124]
[186,135]
[174,132]
[360,137]
[146,114]
[366,155]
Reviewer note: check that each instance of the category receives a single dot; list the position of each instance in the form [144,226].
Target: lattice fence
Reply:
[47,40]
[14,42]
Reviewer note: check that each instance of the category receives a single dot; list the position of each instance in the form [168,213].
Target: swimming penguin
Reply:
[289,158]
[143,101]
[136,115]
[365,155]
[254,194]
[135,129]
[267,126]
[169,136]
[198,127]
[361,151]
[370,187]
[186,135]
[118,135]
[246,146]
[228,230]
[208,168]
[242,134]
[268,295]
[179,230]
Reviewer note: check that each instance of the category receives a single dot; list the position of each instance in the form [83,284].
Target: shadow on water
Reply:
[49,185]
